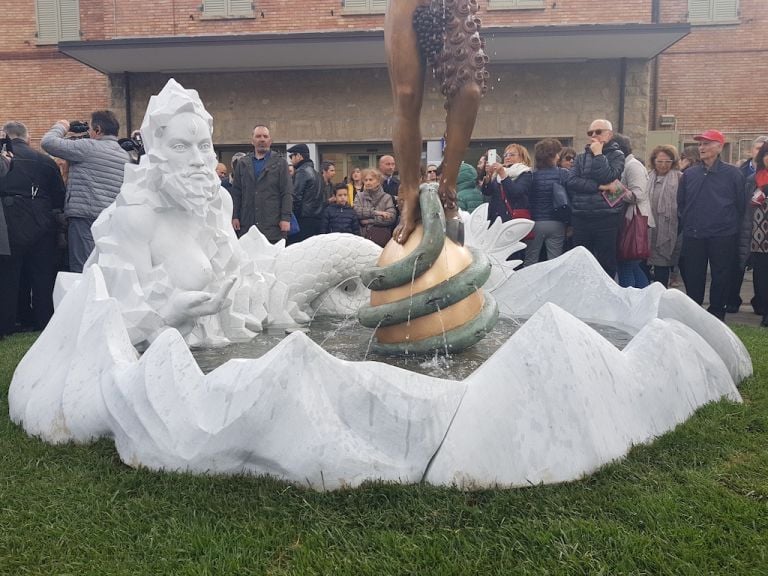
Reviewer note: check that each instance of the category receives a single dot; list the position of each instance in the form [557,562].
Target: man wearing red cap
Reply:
[711,200]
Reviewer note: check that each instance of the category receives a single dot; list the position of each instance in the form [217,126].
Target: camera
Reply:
[78,126]
[5,144]
[133,144]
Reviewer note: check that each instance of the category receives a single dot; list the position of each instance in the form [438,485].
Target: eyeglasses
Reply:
[511,153]
[657,161]
[431,171]
[597,132]
[568,158]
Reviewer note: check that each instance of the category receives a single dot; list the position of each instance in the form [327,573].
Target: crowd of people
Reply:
[687,212]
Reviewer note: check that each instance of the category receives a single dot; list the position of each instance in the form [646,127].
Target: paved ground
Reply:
[745,314]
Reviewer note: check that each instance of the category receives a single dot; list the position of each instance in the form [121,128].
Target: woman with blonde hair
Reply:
[509,184]
[375,209]
[662,193]
[355,185]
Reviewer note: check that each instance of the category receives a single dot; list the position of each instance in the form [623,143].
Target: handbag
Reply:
[378,234]
[633,238]
[518,213]
[560,202]
[294,229]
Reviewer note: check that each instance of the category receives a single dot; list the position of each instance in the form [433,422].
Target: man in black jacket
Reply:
[308,201]
[29,193]
[592,182]
[261,191]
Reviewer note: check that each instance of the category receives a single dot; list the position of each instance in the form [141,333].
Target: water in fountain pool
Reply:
[346,339]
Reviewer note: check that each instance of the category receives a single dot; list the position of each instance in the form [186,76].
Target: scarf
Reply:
[664,206]
[515,170]
[761,178]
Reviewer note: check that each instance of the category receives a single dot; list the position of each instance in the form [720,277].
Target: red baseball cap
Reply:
[713,135]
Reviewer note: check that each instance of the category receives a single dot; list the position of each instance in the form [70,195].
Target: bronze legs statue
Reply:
[460,67]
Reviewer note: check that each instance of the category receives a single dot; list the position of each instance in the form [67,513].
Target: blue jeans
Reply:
[631,275]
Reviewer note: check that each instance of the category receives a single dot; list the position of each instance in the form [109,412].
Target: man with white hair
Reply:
[594,187]
[711,200]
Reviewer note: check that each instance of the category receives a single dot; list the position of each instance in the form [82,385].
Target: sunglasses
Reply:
[431,171]
[597,132]
[568,158]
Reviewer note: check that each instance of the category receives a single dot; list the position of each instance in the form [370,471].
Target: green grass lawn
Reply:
[694,502]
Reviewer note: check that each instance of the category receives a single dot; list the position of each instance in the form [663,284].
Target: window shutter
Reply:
[359,6]
[215,8]
[725,10]
[69,20]
[47,22]
[240,8]
[379,6]
[699,10]
[530,3]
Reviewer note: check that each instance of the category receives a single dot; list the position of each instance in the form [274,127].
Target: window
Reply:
[365,6]
[227,9]
[514,4]
[713,11]
[57,20]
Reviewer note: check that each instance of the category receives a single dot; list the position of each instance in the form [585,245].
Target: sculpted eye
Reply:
[206,146]
[179,147]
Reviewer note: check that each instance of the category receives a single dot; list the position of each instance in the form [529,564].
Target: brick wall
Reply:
[708,80]
[183,17]
[705,80]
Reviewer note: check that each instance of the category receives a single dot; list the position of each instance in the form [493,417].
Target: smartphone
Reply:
[492,157]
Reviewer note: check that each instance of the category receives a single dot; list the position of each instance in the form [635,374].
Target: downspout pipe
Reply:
[654,107]
[622,91]
[128,115]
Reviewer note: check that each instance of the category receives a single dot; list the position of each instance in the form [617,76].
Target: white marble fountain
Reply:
[554,403]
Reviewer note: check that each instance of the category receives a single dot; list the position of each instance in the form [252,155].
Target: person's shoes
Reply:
[732,309]
[764,323]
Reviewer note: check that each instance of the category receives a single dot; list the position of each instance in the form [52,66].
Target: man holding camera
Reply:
[96,166]
[29,194]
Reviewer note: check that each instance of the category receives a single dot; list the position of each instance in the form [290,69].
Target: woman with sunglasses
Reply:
[662,192]
[566,158]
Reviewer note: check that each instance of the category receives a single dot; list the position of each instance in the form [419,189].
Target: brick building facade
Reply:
[315,72]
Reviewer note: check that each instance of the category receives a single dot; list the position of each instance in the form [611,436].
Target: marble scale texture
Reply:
[554,403]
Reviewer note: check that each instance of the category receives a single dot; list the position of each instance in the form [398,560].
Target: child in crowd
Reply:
[338,215]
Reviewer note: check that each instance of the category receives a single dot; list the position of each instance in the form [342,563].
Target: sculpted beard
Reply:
[189,193]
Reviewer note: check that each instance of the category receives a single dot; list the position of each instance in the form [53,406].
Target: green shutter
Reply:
[69,20]
[725,10]
[699,10]
[240,8]
[47,21]
[215,8]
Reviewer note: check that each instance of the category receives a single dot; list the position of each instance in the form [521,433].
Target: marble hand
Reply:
[184,307]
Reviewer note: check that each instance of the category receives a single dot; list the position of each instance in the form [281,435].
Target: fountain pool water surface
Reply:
[346,339]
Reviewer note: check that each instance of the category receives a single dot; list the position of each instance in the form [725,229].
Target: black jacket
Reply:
[30,193]
[308,200]
[516,192]
[264,201]
[587,174]
[541,192]
[340,219]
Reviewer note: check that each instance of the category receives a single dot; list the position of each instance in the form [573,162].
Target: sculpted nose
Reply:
[196,157]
